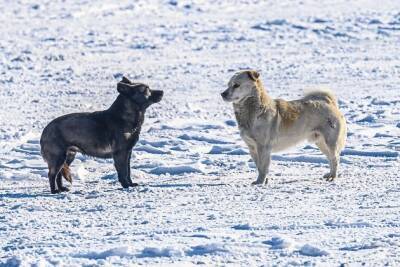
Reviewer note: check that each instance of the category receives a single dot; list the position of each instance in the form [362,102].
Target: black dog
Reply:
[105,134]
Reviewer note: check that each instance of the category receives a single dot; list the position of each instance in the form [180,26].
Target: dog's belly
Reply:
[285,142]
[97,151]
[279,142]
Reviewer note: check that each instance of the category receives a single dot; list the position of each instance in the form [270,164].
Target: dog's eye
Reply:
[235,86]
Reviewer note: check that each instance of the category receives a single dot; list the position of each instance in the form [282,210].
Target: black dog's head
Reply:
[139,93]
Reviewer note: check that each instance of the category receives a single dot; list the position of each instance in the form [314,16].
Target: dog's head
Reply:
[241,86]
[139,93]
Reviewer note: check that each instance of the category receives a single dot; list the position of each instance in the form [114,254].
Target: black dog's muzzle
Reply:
[156,96]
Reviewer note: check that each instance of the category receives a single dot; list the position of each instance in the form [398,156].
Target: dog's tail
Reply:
[324,94]
[66,172]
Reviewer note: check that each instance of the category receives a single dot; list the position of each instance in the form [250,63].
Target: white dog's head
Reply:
[241,86]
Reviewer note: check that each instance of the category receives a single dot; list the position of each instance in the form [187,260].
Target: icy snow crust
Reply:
[195,203]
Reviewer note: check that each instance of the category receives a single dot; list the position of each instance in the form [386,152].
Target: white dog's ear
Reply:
[254,75]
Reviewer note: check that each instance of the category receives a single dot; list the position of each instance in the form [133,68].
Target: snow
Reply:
[176,170]
[119,252]
[206,249]
[195,203]
[157,252]
[291,246]
[309,250]
[280,243]
[150,149]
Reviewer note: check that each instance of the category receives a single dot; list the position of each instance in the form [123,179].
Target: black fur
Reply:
[111,133]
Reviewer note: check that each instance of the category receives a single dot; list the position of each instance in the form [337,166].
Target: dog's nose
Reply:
[160,93]
[157,95]
[224,94]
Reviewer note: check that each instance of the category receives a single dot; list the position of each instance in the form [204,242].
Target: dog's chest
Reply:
[130,137]
[257,130]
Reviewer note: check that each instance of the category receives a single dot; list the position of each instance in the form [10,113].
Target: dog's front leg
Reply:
[262,163]
[121,163]
[129,171]
[253,153]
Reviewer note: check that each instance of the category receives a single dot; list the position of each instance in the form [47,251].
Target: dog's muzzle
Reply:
[224,95]
[156,96]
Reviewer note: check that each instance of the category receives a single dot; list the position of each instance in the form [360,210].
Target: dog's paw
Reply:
[133,184]
[64,189]
[329,177]
[124,184]
[259,182]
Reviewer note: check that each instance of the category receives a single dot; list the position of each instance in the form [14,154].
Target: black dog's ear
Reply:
[254,75]
[123,88]
[125,80]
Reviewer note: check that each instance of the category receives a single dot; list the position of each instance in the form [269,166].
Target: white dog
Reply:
[268,125]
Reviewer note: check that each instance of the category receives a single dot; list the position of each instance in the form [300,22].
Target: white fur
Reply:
[267,125]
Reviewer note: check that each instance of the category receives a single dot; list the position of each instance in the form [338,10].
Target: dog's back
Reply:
[322,94]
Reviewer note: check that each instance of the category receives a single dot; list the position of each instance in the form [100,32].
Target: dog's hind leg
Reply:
[333,157]
[55,165]
[59,182]
[70,157]
[122,166]
[333,163]
[65,171]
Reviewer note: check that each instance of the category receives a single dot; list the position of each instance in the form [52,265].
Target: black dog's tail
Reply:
[66,172]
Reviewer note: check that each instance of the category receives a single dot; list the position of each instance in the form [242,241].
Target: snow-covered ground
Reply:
[195,204]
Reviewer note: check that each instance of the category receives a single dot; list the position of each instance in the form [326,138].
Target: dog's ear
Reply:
[123,88]
[254,75]
[125,80]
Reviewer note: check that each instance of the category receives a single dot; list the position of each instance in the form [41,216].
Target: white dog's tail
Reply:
[324,94]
